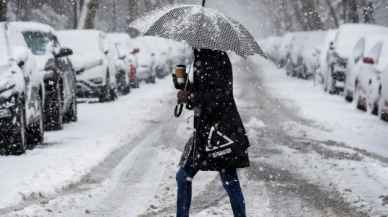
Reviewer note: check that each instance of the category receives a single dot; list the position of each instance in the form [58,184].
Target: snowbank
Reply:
[68,155]
[333,117]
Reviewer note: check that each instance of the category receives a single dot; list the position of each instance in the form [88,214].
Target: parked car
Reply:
[383,100]
[368,85]
[146,61]
[321,55]
[271,47]
[161,61]
[122,66]
[59,78]
[285,49]
[295,67]
[21,93]
[355,62]
[126,47]
[93,61]
[308,55]
[346,39]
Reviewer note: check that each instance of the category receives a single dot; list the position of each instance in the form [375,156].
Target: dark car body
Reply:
[21,93]
[59,77]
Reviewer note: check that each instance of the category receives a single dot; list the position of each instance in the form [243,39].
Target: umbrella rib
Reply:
[200,26]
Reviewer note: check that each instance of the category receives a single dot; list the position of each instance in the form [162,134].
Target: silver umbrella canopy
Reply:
[198,27]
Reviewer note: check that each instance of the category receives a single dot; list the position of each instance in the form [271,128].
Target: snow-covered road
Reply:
[312,154]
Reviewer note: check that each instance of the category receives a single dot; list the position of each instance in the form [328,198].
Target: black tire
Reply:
[54,107]
[331,84]
[114,94]
[106,93]
[35,132]
[121,83]
[358,104]
[135,83]
[18,140]
[72,114]
[348,95]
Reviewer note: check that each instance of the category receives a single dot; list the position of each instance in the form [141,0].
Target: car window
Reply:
[38,41]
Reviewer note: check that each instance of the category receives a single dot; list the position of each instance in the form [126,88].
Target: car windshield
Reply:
[37,41]
[80,42]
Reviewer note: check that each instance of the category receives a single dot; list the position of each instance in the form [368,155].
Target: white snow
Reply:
[67,155]
[349,34]
[333,117]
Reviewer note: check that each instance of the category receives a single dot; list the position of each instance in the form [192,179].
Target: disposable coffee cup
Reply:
[180,72]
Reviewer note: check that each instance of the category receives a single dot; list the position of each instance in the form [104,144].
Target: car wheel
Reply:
[382,115]
[357,98]
[72,114]
[114,94]
[18,141]
[53,108]
[135,83]
[35,132]
[331,84]
[348,94]
[106,93]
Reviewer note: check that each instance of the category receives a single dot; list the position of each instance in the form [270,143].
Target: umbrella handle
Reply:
[176,112]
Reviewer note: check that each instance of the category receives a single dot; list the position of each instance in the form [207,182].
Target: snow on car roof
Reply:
[313,40]
[33,27]
[123,39]
[287,39]
[268,44]
[298,45]
[81,41]
[349,34]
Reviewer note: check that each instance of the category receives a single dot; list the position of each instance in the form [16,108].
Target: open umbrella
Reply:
[198,27]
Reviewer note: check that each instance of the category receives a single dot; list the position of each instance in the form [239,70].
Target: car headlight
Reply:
[48,74]
[96,80]
[4,113]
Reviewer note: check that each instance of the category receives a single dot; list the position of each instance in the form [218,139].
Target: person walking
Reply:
[219,141]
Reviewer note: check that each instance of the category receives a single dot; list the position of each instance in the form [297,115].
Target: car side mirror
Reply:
[20,55]
[368,60]
[136,50]
[64,52]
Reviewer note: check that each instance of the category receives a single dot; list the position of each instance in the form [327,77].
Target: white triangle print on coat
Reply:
[212,130]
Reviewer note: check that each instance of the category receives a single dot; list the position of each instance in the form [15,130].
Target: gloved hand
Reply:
[182,96]
[181,86]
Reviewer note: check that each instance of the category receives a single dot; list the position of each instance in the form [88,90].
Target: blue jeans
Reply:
[229,180]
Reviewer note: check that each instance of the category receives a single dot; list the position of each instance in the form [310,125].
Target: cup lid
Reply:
[180,66]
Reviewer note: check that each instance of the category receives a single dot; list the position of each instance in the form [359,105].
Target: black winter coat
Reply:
[219,139]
